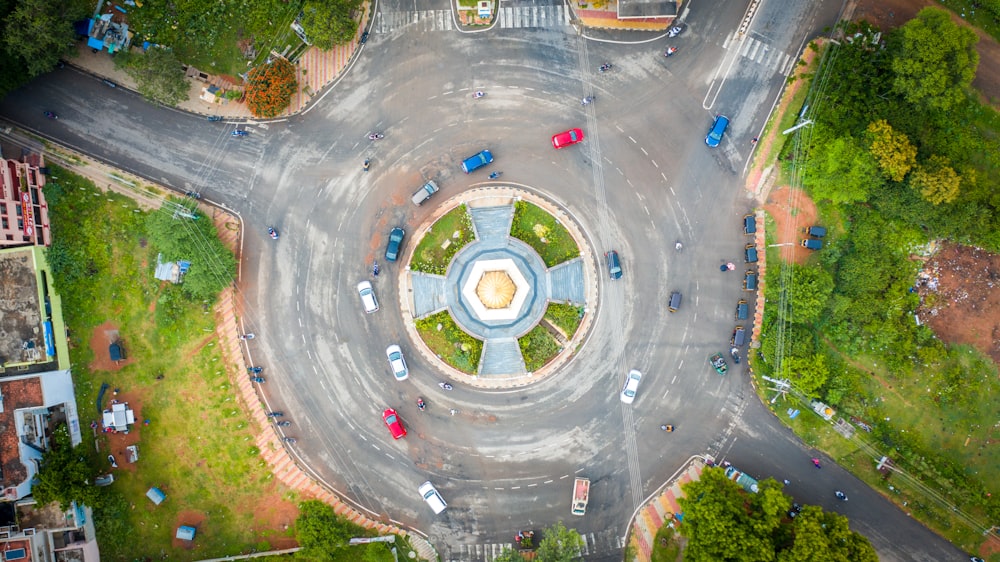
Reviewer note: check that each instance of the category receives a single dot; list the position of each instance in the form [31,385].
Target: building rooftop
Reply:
[22,338]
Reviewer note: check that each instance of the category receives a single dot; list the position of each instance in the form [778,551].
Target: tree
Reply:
[808,293]
[892,149]
[320,532]
[38,32]
[559,544]
[270,88]
[820,535]
[717,521]
[808,374]
[841,170]
[158,74]
[936,181]
[933,60]
[329,22]
[180,238]
[65,474]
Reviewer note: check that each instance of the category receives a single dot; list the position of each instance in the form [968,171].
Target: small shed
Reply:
[116,351]
[157,496]
[185,533]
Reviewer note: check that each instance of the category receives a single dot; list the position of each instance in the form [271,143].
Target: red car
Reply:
[392,422]
[567,138]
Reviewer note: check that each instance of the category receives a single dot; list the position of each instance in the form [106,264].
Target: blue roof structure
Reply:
[186,533]
[157,496]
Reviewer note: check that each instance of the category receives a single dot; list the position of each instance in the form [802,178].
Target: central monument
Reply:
[495,290]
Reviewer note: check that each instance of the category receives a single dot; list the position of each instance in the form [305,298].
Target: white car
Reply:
[368,299]
[631,386]
[396,362]
[432,497]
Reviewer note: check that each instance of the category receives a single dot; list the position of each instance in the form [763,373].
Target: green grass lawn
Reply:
[199,445]
[544,233]
[538,347]
[432,255]
[450,343]
[566,316]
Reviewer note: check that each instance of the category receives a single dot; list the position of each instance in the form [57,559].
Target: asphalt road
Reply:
[642,179]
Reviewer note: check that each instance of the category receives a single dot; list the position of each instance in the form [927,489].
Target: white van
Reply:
[432,497]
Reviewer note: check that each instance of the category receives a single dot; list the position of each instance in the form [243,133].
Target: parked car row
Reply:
[814,235]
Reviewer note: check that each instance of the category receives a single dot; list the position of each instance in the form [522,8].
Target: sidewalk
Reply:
[315,70]
[660,509]
[605,16]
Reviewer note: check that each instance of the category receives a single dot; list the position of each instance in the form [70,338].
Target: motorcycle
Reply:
[272,233]
[605,67]
[668,428]
[255,370]
[445,386]
[368,163]
[275,414]
[258,380]
[215,118]
[192,194]
[240,133]
[670,51]
[375,136]
[478,95]
[587,100]
[51,115]
[283,424]
[375,269]
[675,31]
[678,246]
[735,352]
[421,404]
[290,440]
[841,496]
[495,175]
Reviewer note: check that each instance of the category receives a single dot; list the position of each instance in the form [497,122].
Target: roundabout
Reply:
[497,288]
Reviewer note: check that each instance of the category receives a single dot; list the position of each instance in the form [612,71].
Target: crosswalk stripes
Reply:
[760,53]
[443,20]
[604,542]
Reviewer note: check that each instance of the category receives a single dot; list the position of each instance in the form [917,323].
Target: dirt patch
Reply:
[792,211]
[117,443]
[960,294]
[890,14]
[273,516]
[103,336]
[190,519]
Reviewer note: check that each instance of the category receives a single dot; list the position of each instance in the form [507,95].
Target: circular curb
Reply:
[490,195]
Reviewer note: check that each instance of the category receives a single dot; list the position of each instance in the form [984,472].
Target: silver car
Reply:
[396,362]
[631,386]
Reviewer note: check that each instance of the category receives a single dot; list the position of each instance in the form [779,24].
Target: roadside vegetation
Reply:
[557,544]
[566,316]
[724,522]
[446,237]
[450,343]
[538,347]
[325,537]
[543,233]
[893,174]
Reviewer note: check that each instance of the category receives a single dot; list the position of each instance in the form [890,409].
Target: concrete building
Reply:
[24,215]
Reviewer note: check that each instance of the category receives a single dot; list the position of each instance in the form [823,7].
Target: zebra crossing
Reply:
[603,543]
[760,53]
[444,20]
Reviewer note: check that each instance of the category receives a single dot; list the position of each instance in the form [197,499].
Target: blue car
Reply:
[718,128]
[395,240]
[477,161]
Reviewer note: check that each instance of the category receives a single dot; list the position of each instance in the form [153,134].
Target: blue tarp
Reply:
[100,398]
[157,496]
[185,533]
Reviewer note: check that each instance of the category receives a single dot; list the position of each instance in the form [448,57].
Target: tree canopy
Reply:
[320,532]
[723,522]
[271,87]
[329,22]
[933,60]
[66,473]
[157,73]
[36,33]
[892,149]
[178,237]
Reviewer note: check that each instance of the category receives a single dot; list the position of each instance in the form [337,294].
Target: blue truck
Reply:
[749,484]
[477,161]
